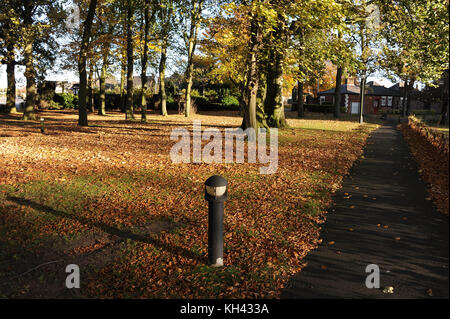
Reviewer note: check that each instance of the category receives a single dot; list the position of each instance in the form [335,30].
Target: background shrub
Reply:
[52,105]
[230,101]
[66,100]
[321,108]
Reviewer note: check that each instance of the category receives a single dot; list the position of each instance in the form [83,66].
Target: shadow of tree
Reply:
[123,234]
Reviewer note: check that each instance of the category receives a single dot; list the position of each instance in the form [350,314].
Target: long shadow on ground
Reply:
[123,234]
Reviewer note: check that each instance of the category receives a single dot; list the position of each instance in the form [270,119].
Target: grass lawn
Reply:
[108,198]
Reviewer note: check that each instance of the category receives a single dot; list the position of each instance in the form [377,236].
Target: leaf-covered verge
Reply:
[430,148]
[108,198]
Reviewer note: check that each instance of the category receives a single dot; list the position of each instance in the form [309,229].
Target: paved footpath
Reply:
[386,221]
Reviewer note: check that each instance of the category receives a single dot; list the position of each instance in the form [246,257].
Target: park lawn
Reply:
[107,198]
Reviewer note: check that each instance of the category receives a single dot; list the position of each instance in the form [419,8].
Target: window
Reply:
[390,101]
[383,101]
[322,99]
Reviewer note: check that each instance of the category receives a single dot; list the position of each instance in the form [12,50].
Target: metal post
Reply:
[216,193]
[42,125]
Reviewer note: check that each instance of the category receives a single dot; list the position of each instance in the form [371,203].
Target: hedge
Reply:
[66,100]
[321,108]
[438,140]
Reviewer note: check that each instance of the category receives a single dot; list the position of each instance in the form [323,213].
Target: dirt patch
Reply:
[158,226]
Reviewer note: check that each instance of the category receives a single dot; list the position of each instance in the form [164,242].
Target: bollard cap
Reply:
[42,119]
[216,187]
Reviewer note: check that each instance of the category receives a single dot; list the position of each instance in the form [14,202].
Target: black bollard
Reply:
[216,193]
[42,125]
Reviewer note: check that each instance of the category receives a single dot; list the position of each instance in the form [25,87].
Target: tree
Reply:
[193,17]
[148,20]
[273,104]
[226,44]
[29,29]
[309,55]
[87,25]
[166,22]
[343,56]
[104,29]
[416,42]
[129,112]
[365,27]
[9,31]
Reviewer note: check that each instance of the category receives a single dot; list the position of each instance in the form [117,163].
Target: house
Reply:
[75,88]
[62,86]
[47,86]
[137,83]
[110,83]
[376,96]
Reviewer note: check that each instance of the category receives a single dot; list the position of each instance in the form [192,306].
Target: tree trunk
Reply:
[445,102]
[11,87]
[261,99]
[294,106]
[191,43]
[408,96]
[252,77]
[143,97]
[404,98]
[102,84]
[90,86]
[30,75]
[144,64]
[122,85]
[337,93]
[189,72]
[162,80]
[242,103]
[300,104]
[274,102]
[87,25]
[129,115]
[361,103]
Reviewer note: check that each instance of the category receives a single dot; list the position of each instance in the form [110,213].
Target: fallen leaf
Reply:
[388,290]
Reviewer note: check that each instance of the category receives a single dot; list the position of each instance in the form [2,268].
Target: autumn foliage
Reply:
[108,198]
[431,151]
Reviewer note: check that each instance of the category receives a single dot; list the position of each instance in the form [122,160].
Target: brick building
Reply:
[376,96]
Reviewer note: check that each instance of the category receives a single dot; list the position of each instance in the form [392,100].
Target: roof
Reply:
[345,89]
[372,89]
